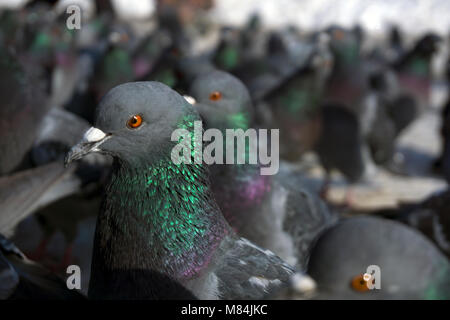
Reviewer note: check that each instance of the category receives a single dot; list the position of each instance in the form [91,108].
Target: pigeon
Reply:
[280,60]
[27,101]
[276,212]
[347,83]
[23,279]
[148,51]
[294,107]
[442,164]
[49,44]
[45,181]
[24,105]
[84,96]
[380,129]
[63,215]
[356,83]
[60,130]
[170,19]
[127,286]
[190,67]
[164,68]
[251,36]
[445,157]
[429,216]
[402,89]
[340,146]
[396,46]
[11,31]
[116,65]
[410,266]
[385,116]
[389,120]
[366,88]
[413,69]
[236,47]
[159,214]
[24,192]
[228,54]
[260,74]
[103,6]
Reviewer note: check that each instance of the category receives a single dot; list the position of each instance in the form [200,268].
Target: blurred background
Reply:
[310,66]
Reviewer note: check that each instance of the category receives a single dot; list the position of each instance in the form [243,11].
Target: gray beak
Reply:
[90,142]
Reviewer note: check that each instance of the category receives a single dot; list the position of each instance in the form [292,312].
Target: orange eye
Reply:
[134,122]
[215,96]
[359,284]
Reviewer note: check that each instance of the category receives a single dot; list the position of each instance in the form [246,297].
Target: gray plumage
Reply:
[23,279]
[276,212]
[411,266]
[23,193]
[212,270]
[429,217]
[27,191]
[340,143]
[24,106]
[245,271]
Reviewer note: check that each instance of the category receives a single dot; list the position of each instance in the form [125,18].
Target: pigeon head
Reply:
[395,36]
[135,122]
[344,44]
[428,44]
[222,101]
[275,44]
[410,266]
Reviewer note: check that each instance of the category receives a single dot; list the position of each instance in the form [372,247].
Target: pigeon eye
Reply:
[359,284]
[134,122]
[215,96]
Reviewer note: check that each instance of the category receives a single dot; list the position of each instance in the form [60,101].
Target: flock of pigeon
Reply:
[198,231]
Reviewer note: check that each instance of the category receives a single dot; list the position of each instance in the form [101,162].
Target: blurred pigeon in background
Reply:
[22,279]
[274,211]
[410,266]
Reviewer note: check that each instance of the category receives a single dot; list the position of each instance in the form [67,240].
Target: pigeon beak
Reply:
[303,284]
[190,99]
[196,105]
[90,142]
